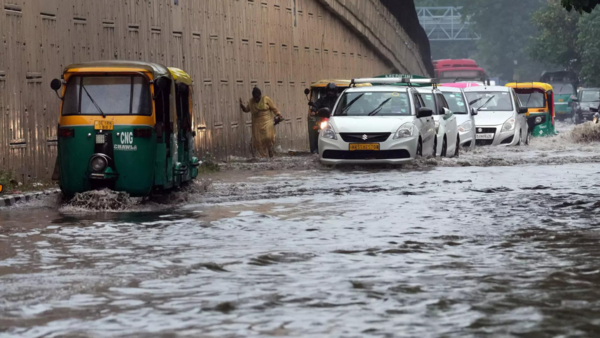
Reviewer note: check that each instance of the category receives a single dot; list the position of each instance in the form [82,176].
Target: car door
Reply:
[522,118]
[449,120]
[427,125]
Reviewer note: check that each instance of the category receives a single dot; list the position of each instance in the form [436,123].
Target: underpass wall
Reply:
[227,46]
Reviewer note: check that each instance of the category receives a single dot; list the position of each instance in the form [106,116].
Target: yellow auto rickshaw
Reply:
[317,90]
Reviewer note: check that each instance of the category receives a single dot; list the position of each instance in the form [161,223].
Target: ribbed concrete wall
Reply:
[227,46]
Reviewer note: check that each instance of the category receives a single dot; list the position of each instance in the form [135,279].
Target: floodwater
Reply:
[501,242]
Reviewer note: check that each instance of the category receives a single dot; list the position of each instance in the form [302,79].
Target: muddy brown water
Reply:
[443,252]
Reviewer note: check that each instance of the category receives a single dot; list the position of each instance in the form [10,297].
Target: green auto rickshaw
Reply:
[564,84]
[126,126]
[539,99]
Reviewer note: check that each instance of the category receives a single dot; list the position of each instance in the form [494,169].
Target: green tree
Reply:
[556,42]
[588,45]
[580,5]
[506,30]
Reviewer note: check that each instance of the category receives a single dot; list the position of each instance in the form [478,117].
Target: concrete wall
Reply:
[227,46]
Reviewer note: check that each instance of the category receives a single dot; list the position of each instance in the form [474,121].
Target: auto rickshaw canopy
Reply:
[180,76]
[339,83]
[530,85]
[155,69]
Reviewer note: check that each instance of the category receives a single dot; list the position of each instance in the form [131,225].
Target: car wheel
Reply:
[435,148]
[528,139]
[457,150]
[420,148]
[444,148]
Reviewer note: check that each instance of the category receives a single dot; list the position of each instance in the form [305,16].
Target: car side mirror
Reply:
[523,110]
[593,110]
[474,112]
[324,112]
[56,85]
[424,112]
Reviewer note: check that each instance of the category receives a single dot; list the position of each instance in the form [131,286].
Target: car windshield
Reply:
[373,104]
[563,88]
[456,102]
[107,95]
[490,101]
[533,100]
[590,96]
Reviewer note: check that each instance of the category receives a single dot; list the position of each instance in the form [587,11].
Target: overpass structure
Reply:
[446,24]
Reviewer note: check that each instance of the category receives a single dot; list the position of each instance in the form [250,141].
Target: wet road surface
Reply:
[440,251]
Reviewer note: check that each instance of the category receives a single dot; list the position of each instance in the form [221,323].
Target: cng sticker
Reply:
[126,139]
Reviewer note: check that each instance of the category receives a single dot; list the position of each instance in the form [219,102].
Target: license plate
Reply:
[485,136]
[561,100]
[364,146]
[104,125]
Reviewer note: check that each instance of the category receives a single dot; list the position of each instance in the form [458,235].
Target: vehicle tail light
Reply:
[66,132]
[146,133]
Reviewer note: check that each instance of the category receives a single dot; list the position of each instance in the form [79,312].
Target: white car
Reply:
[379,124]
[464,115]
[501,118]
[448,141]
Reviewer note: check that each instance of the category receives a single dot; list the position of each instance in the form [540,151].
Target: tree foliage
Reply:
[588,45]
[506,29]
[580,5]
[556,41]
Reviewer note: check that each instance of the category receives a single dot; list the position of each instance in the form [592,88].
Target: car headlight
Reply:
[509,124]
[405,130]
[328,132]
[98,164]
[465,127]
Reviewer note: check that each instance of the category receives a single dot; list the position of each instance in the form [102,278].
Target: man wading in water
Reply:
[263,124]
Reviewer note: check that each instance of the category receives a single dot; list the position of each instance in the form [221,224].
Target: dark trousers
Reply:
[313,134]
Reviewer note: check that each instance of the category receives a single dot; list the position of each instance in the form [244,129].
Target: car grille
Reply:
[485,131]
[366,155]
[365,137]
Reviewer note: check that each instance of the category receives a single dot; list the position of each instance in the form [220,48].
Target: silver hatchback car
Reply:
[501,118]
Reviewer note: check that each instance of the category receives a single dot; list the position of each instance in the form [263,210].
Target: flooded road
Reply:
[451,250]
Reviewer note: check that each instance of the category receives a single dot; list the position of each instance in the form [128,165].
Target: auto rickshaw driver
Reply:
[327,101]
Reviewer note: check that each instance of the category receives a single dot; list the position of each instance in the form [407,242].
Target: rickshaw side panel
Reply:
[74,166]
[134,159]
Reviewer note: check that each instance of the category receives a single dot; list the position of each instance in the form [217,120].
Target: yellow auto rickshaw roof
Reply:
[156,69]
[530,85]
[339,83]
[181,76]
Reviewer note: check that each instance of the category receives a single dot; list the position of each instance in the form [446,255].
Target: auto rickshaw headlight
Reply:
[538,120]
[98,163]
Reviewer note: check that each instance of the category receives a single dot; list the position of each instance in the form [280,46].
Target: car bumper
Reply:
[507,138]
[391,152]
[467,139]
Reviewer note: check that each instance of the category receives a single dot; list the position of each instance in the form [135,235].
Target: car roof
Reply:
[375,89]
[424,89]
[450,89]
[487,89]
[590,89]
[339,83]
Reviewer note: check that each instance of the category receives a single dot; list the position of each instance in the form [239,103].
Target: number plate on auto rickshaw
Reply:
[363,146]
[104,125]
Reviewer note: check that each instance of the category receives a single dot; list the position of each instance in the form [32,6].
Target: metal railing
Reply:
[446,24]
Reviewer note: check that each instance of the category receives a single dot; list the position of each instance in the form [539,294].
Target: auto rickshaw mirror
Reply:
[324,112]
[56,84]
[306,91]
[162,83]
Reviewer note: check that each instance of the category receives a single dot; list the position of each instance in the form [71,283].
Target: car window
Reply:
[373,104]
[590,96]
[429,102]
[456,102]
[491,101]
[441,102]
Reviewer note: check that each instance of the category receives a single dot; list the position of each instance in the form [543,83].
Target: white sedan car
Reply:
[380,124]
[464,115]
[501,119]
[448,139]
